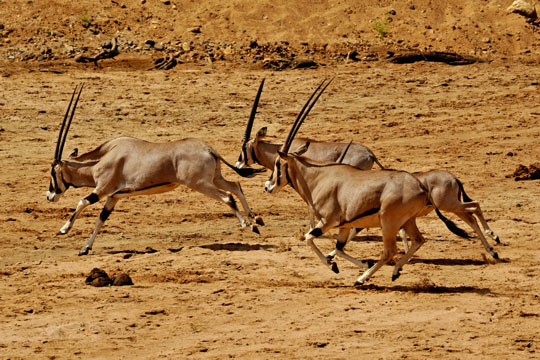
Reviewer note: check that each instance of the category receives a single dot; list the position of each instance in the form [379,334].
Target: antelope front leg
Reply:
[83,203]
[315,233]
[107,209]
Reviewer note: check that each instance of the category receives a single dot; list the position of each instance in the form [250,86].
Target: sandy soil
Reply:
[211,290]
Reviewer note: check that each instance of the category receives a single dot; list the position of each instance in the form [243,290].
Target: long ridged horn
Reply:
[302,115]
[247,133]
[63,134]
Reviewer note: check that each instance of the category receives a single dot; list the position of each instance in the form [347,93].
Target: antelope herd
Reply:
[335,180]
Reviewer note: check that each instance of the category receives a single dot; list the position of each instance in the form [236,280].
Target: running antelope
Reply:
[448,194]
[262,152]
[344,197]
[126,166]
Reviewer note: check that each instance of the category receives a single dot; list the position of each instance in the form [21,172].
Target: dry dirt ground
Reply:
[213,291]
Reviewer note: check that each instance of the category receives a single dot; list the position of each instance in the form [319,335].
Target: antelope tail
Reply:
[244,172]
[463,193]
[449,223]
[379,164]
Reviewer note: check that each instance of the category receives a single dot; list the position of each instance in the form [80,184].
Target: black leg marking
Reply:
[232,203]
[341,245]
[92,198]
[105,214]
[370,263]
[316,232]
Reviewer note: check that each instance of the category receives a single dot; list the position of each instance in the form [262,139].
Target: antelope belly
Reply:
[368,221]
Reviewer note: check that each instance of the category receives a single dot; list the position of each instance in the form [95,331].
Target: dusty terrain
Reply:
[203,288]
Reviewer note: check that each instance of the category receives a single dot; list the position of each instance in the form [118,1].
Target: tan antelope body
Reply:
[258,151]
[344,197]
[127,166]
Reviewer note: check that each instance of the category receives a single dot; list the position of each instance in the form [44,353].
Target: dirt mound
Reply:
[99,278]
[527,173]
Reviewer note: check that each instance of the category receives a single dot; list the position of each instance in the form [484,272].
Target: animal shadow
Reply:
[427,289]
[237,247]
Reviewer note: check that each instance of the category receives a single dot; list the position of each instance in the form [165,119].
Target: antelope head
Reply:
[280,175]
[247,157]
[58,184]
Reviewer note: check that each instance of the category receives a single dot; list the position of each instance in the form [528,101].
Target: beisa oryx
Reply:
[258,150]
[127,166]
[344,197]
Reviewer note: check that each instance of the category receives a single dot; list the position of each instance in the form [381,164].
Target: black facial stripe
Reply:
[278,172]
[51,187]
[254,157]
[289,181]
[243,155]
[53,178]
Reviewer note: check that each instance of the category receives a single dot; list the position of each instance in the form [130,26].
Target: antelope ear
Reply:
[74,153]
[302,149]
[262,132]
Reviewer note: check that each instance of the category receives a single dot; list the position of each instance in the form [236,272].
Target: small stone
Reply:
[122,279]
[523,8]
[98,278]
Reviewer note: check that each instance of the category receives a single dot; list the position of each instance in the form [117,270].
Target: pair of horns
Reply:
[247,133]
[302,116]
[63,134]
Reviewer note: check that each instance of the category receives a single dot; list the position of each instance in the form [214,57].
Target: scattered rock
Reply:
[122,279]
[303,63]
[523,8]
[98,278]
[526,173]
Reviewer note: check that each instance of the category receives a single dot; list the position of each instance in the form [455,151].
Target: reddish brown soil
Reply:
[232,293]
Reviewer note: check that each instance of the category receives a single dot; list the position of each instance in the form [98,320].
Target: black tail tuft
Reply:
[452,226]
[247,172]
[465,196]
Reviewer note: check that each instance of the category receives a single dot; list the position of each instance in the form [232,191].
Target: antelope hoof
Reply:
[396,275]
[255,229]
[259,220]
[496,256]
[497,240]
[359,283]
[334,267]
[62,232]
[84,251]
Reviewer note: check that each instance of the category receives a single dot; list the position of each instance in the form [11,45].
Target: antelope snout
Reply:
[268,187]
[51,196]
